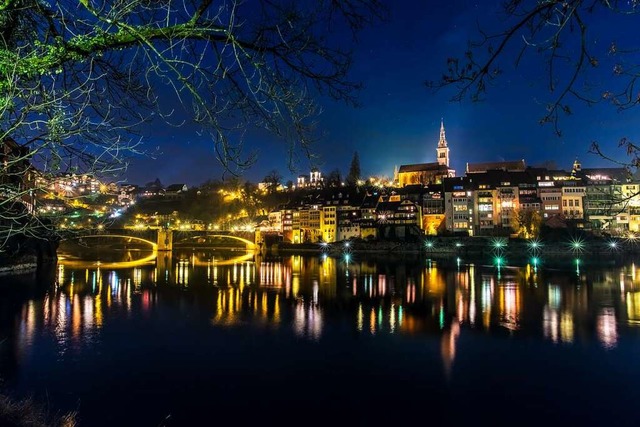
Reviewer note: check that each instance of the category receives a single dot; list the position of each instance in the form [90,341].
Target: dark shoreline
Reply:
[517,252]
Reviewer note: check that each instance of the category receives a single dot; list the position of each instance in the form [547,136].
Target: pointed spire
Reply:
[442,152]
[443,138]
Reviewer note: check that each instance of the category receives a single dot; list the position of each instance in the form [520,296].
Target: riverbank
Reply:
[26,413]
[521,250]
[20,265]
[34,253]
[466,245]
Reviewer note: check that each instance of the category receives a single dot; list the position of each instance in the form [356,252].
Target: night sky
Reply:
[399,118]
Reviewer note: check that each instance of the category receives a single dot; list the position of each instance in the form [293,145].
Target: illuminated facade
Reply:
[314,180]
[428,173]
[433,212]
[459,203]
[328,223]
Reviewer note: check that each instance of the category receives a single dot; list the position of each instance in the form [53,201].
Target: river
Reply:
[213,337]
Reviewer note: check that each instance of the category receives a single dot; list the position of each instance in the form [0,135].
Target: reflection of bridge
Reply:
[163,239]
[120,264]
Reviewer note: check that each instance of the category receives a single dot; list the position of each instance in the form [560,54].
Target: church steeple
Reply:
[577,167]
[442,152]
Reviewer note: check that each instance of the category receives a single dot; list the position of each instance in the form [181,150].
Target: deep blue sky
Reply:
[398,121]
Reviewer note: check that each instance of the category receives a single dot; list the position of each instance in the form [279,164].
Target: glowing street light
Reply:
[577,245]
[499,243]
[535,245]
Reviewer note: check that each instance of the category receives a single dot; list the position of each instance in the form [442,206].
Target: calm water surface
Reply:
[207,338]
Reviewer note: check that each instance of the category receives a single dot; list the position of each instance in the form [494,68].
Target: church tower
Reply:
[442,151]
[577,167]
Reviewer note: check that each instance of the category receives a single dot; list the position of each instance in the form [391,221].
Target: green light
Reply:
[498,261]
[441,318]
[535,260]
[577,244]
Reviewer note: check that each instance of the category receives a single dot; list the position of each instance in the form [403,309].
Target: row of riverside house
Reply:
[491,199]
[495,198]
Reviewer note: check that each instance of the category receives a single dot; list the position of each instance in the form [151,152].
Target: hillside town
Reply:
[506,198]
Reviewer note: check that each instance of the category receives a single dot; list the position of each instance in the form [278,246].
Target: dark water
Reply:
[202,339]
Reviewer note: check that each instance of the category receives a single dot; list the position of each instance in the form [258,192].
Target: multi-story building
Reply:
[433,212]
[310,223]
[368,220]
[287,224]
[610,198]
[275,221]
[550,199]
[459,202]
[348,222]
[329,223]
[573,193]
[398,219]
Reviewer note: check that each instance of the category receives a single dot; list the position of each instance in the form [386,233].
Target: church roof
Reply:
[606,174]
[511,166]
[423,167]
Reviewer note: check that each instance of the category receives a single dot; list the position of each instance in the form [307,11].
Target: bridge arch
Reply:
[154,245]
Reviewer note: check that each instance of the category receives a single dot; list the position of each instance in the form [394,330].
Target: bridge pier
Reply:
[165,239]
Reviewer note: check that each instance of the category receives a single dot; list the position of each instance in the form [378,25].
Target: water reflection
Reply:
[309,295]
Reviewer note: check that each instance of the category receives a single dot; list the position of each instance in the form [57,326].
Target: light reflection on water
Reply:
[399,298]
[313,298]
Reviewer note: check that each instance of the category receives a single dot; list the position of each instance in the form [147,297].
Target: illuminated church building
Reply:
[428,173]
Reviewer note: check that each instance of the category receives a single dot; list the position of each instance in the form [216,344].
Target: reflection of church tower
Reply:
[442,150]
